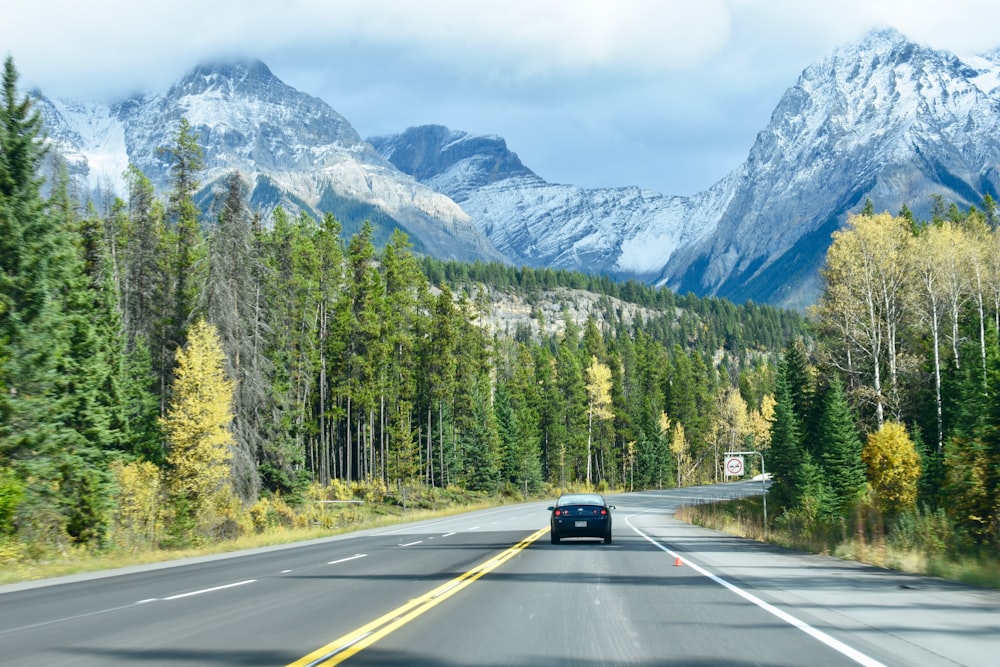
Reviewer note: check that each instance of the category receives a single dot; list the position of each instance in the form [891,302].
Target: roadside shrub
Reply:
[11,494]
[12,552]
[925,530]
[138,516]
[270,513]
[371,492]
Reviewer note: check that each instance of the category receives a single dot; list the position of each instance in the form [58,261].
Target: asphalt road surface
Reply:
[487,588]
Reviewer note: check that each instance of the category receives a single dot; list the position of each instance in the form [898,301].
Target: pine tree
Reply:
[438,376]
[361,368]
[481,442]
[517,413]
[26,234]
[405,289]
[572,447]
[291,292]
[551,405]
[328,286]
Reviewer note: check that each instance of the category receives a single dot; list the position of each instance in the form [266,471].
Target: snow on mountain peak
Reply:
[294,150]
[883,118]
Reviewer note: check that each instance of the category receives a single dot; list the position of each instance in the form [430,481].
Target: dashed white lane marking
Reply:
[209,590]
[344,560]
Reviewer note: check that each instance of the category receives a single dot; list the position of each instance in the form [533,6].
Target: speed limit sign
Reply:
[734,466]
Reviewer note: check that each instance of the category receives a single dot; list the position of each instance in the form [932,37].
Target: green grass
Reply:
[865,544]
[16,567]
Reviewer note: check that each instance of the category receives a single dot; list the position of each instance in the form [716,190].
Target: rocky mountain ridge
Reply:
[292,149]
[882,119]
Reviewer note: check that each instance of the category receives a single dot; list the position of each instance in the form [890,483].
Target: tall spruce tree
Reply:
[290,280]
[437,386]
[786,453]
[185,237]
[841,463]
[522,462]
[54,423]
[481,442]
[405,289]
[363,358]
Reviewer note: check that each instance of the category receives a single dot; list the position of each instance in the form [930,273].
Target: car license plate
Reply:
[581,524]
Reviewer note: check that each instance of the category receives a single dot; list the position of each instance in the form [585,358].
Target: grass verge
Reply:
[350,518]
[865,544]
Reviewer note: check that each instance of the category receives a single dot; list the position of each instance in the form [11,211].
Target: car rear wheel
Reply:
[555,538]
[607,538]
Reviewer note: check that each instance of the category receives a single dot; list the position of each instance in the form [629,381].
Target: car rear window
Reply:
[581,500]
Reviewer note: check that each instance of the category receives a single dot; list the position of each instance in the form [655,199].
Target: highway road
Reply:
[487,588]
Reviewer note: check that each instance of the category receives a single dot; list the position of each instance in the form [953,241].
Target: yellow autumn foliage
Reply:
[138,510]
[599,389]
[893,467]
[197,424]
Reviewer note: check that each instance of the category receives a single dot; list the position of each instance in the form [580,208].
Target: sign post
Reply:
[734,467]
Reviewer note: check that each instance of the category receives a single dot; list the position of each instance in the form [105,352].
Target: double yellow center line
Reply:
[343,648]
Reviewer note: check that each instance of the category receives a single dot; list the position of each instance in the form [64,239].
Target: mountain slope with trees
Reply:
[168,376]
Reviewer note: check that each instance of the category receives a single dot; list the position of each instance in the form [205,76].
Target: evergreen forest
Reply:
[171,375]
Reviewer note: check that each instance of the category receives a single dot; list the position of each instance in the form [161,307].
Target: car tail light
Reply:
[603,512]
[558,512]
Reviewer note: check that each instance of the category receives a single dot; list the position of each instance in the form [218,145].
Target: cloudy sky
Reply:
[665,94]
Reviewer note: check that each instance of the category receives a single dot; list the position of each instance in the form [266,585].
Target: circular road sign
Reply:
[734,466]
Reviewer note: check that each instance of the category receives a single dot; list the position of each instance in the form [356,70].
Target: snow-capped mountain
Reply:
[626,232]
[884,119]
[293,149]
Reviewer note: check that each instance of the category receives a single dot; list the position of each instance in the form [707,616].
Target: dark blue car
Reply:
[581,515]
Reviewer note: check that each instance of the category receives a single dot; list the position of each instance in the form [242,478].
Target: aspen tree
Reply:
[732,424]
[599,402]
[893,467]
[679,448]
[865,277]
[928,263]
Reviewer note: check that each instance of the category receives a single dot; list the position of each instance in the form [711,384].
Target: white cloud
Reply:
[583,90]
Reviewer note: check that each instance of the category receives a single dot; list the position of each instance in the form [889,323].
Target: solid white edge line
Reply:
[837,645]
[209,590]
